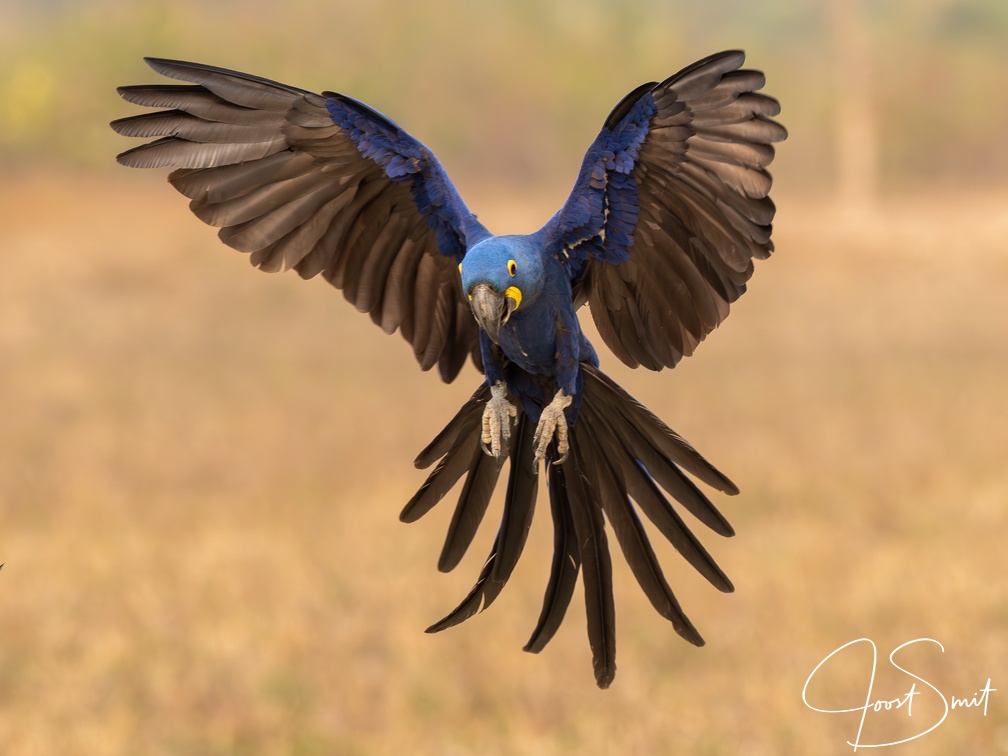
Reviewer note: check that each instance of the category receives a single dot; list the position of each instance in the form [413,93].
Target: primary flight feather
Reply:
[669,210]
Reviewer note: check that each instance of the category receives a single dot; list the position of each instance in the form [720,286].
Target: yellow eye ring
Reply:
[512,268]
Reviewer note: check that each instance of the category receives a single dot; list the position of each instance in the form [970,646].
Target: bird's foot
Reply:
[553,421]
[497,417]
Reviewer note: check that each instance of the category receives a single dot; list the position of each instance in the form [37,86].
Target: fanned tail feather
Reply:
[566,563]
[621,459]
[519,505]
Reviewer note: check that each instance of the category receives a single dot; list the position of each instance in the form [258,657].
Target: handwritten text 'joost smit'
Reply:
[902,704]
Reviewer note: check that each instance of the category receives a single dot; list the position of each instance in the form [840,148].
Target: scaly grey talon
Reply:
[497,417]
[553,421]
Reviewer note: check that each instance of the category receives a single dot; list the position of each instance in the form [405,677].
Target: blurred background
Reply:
[201,466]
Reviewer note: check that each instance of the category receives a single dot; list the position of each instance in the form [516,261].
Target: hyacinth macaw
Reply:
[659,235]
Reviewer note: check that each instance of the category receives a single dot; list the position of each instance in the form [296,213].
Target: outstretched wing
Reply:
[321,184]
[670,208]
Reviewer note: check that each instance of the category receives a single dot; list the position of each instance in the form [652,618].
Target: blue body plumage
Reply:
[668,211]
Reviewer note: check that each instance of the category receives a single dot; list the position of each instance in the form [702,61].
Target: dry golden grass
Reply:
[201,469]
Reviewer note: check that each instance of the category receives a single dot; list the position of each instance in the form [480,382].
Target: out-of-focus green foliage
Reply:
[514,91]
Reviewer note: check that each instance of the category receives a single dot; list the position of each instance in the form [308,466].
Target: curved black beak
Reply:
[491,309]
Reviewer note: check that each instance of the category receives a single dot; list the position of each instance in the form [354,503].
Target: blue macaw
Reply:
[659,235]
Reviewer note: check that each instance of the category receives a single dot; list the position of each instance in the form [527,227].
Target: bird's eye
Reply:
[512,268]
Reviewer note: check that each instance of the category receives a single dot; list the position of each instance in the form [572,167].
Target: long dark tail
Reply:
[618,451]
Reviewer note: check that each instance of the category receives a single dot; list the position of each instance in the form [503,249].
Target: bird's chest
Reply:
[529,340]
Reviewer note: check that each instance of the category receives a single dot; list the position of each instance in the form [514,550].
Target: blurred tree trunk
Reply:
[857,153]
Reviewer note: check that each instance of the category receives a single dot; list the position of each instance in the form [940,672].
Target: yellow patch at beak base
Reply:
[515,293]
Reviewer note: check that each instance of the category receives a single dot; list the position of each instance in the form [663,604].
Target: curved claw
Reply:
[497,416]
[553,421]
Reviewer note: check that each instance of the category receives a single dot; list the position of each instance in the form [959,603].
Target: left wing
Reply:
[322,184]
[670,208]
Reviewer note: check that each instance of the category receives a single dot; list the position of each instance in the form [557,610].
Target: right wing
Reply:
[322,184]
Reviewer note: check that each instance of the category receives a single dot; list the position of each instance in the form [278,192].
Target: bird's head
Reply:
[501,275]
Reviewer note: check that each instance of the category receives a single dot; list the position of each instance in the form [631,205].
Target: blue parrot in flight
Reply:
[658,236]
